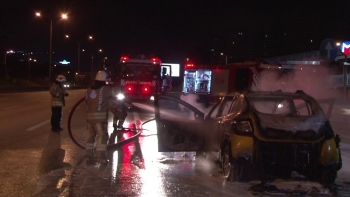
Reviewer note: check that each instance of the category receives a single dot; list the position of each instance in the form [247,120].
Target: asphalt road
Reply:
[38,162]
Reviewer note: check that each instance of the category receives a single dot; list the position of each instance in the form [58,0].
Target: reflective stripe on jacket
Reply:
[97,103]
[97,116]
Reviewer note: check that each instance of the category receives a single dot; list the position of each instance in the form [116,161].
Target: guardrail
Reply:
[337,81]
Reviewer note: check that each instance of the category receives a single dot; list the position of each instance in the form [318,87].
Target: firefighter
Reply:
[57,102]
[118,108]
[97,97]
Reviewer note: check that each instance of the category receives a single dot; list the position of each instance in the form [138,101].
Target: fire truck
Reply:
[214,81]
[139,77]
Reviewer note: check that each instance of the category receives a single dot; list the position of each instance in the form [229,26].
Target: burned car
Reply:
[277,133]
[272,134]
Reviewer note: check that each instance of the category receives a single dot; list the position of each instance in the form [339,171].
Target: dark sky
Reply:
[170,29]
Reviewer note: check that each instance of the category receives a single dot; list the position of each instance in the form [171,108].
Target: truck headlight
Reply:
[120,96]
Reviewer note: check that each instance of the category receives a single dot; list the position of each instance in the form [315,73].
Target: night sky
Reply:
[170,29]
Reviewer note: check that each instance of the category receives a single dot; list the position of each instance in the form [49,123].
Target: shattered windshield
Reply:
[285,106]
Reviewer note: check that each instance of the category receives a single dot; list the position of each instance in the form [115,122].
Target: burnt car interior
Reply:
[286,106]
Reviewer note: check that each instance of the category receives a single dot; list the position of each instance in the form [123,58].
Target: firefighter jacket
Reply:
[57,95]
[97,103]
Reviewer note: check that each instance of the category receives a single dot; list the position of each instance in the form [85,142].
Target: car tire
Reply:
[328,175]
[231,168]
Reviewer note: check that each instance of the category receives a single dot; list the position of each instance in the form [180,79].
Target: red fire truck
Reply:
[217,80]
[138,77]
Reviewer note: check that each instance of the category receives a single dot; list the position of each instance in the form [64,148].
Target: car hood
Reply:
[297,127]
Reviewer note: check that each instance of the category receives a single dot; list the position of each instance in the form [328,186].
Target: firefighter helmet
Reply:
[102,75]
[60,78]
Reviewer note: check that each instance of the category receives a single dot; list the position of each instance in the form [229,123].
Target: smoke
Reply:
[312,81]
[193,99]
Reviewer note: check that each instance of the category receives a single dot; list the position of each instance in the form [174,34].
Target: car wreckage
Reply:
[265,134]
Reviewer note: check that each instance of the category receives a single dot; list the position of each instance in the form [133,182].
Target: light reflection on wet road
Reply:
[50,164]
[160,174]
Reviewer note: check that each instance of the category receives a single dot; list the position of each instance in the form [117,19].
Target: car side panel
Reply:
[241,146]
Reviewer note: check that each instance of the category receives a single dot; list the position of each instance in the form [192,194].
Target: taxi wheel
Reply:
[328,175]
[231,169]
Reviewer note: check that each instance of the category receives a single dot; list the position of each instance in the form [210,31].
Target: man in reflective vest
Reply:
[96,98]
[57,102]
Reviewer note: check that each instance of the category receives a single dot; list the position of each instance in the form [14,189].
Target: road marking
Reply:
[38,125]
[12,107]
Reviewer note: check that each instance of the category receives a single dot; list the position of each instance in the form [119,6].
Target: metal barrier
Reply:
[337,81]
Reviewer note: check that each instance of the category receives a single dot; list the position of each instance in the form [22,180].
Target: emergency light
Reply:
[153,60]
[129,88]
[145,89]
[189,66]
[124,59]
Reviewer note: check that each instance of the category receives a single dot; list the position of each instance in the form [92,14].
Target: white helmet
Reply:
[61,78]
[102,75]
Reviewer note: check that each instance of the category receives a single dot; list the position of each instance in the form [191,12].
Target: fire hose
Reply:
[111,147]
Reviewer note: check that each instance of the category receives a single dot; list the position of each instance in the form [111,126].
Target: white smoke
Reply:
[312,81]
[192,99]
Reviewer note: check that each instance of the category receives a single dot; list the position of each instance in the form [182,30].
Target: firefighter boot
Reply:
[112,137]
[102,158]
[90,161]
[120,129]
[119,133]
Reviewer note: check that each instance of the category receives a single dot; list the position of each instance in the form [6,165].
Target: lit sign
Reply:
[175,69]
[64,62]
[345,48]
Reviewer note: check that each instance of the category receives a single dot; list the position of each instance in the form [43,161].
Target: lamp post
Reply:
[92,63]
[225,57]
[99,67]
[92,59]
[6,73]
[50,69]
[78,56]
[63,16]
[79,43]
[30,60]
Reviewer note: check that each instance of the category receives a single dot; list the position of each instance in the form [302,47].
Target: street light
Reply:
[99,63]
[92,58]
[30,60]
[225,57]
[92,63]
[63,16]
[7,52]
[79,42]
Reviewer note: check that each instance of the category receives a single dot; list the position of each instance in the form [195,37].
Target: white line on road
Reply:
[38,125]
[12,107]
